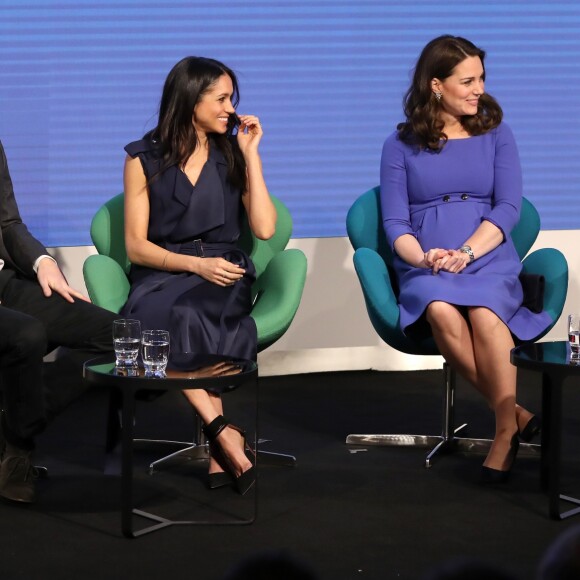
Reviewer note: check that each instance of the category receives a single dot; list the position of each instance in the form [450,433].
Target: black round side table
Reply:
[217,374]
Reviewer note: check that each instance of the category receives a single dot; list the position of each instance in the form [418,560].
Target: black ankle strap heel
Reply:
[213,429]
[245,480]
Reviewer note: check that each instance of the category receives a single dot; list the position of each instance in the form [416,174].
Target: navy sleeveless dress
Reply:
[200,220]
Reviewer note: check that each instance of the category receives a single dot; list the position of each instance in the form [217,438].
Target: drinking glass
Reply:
[126,339]
[574,335]
[155,352]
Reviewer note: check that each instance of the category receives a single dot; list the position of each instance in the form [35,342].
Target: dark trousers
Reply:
[32,325]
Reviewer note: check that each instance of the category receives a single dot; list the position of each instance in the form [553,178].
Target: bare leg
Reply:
[208,407]
[452,335]
[478,348]
[493,342]
[216,401]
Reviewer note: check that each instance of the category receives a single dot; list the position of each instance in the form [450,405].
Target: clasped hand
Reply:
[219,271]
[452,261]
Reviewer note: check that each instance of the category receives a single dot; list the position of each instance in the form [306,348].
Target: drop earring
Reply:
[437,95]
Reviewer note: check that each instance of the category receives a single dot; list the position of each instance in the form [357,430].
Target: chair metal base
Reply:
[188,450]
[448,441]
[438,444]
[42,471]
[275,459]
[195,450]
[200,452]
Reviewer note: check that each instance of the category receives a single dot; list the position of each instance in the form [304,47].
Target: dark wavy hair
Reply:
[423,127]
[185,85]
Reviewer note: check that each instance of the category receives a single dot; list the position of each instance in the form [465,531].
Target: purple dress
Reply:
[441,199]
[200,220]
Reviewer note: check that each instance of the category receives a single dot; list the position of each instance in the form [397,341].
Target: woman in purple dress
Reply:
[188,184]
[451,192]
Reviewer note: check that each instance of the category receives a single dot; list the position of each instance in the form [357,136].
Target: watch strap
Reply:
[467,250]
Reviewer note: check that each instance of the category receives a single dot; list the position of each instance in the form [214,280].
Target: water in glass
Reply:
[126,350]
[574,340]
[574,335]
[126,339]
[155,352]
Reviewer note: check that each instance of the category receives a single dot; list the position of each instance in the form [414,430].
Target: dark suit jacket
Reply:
[18,247]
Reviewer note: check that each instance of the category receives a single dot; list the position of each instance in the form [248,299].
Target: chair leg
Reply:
[274,458]
[199,450]
[451,443]
[196,449]
[439,444]
[448,441]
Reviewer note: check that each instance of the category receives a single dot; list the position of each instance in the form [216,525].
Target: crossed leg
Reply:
[208,407]
[478,344]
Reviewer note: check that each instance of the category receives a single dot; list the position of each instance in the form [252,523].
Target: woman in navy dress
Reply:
[188,184]
[451,193]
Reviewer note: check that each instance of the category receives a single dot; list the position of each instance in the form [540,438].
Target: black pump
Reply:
[492,476]
[246,480]
[532,428]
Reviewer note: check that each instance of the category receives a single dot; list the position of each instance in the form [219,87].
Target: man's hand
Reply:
[51,278]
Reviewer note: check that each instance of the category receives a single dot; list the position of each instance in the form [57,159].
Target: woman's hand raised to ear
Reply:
[249,134]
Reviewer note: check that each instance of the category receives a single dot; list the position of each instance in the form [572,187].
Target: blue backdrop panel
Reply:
[81,79]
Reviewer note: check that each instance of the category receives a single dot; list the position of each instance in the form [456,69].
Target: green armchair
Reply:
[281,275]
[281,272]
[373,265]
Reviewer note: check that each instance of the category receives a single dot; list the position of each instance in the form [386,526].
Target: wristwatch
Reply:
[467,250]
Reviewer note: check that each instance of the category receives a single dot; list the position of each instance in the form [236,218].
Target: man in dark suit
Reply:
[39,311]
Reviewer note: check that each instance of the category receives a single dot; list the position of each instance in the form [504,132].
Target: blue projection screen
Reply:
[82,79]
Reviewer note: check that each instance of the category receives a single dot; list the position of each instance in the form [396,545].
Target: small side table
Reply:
[552,360]
[188,372]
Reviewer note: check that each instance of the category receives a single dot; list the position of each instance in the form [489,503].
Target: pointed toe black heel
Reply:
[244,481]
[219,478]
[495,476]
[532,428]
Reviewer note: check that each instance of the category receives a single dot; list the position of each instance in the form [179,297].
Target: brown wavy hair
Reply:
[184,87]
[423,128]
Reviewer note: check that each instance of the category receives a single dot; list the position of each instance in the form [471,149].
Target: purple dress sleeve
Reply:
[507,190]
[394,196]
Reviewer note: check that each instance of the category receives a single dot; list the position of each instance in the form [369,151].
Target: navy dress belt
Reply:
[205,249]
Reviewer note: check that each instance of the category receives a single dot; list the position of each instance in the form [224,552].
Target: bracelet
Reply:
[163,266]
[467,250]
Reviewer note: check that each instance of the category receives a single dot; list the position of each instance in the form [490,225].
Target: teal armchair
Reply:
[281,275]
[373,264]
